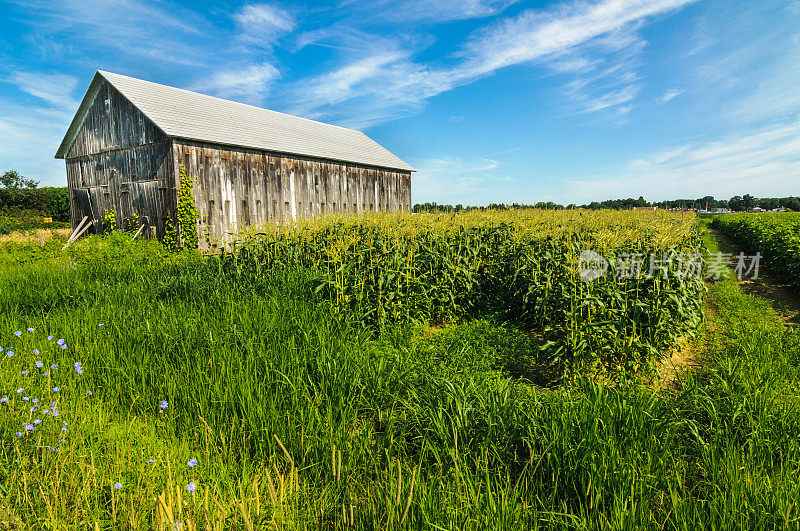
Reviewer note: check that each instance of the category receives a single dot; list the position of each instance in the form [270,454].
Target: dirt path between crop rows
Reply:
[783,296]
[688,355]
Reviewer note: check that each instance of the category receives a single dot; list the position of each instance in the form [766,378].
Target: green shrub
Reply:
[48,201]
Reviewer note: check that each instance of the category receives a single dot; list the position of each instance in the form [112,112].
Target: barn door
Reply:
[139,199]
[87,203]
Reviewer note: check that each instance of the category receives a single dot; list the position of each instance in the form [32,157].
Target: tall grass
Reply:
[300,417]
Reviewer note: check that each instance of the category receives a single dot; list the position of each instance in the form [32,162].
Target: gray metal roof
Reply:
[183,114]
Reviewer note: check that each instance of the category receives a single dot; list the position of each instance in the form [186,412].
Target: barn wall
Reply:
[120,161]
[235,187]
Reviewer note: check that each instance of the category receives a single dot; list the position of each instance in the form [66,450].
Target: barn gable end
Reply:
[118,161]
[112,122]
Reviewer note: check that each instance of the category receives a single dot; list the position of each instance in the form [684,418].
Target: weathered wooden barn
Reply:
[129,139]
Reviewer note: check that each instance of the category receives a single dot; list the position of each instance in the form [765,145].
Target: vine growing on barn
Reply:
[170,239]
[187,210]
[109,221]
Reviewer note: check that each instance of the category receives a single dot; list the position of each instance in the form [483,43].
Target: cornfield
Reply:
[775,236]
[402,268]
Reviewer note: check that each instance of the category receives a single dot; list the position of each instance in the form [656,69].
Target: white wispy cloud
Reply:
[253,72]
[670,94]
[53,88]
[249,84]
[262,24]
[396,83]
[535,34]
[135,28]
[461,180]
[428,10]
[763,161]
[31,132]
[31,136]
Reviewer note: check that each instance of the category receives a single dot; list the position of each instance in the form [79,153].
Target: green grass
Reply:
[302,418]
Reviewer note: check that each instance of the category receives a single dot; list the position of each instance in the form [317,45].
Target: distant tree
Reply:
[791,203]
[13,179]
[735,203]
[748,201]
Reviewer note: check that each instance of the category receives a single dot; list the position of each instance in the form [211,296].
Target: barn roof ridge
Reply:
[183,114]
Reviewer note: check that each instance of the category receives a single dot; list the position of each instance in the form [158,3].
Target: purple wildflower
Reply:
[101,325]
[78,367]
[10,354]
[45,374]
[150,461]
[54,366]
[49,338]
[64,346]
[25,398]
[89,393]
[191,486]
[55,389]
[64,429]
[192,462]
[117,485]
[35,400]
[17,333]
[4,399]
[24,373]
[30,329]
[163,405]
[20,390]
[37,421]
[39,364]
[36,351]
[61,341]
[19,434]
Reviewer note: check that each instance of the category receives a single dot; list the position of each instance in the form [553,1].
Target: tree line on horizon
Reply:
[735,203]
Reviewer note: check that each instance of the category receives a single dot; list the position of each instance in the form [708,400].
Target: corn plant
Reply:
[403,268]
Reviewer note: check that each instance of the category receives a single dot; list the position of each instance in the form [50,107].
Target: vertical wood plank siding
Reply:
[236,187]
[122,162]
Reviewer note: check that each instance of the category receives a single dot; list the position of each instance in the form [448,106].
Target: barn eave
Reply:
[320,158]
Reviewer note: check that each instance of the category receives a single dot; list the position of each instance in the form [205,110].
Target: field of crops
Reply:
[403,269]
[380,373]
[775,235]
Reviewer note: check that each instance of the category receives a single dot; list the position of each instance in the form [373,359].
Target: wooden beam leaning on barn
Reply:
[80,229]
[138,231]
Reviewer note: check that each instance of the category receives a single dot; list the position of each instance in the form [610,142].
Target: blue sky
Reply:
[491,100]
